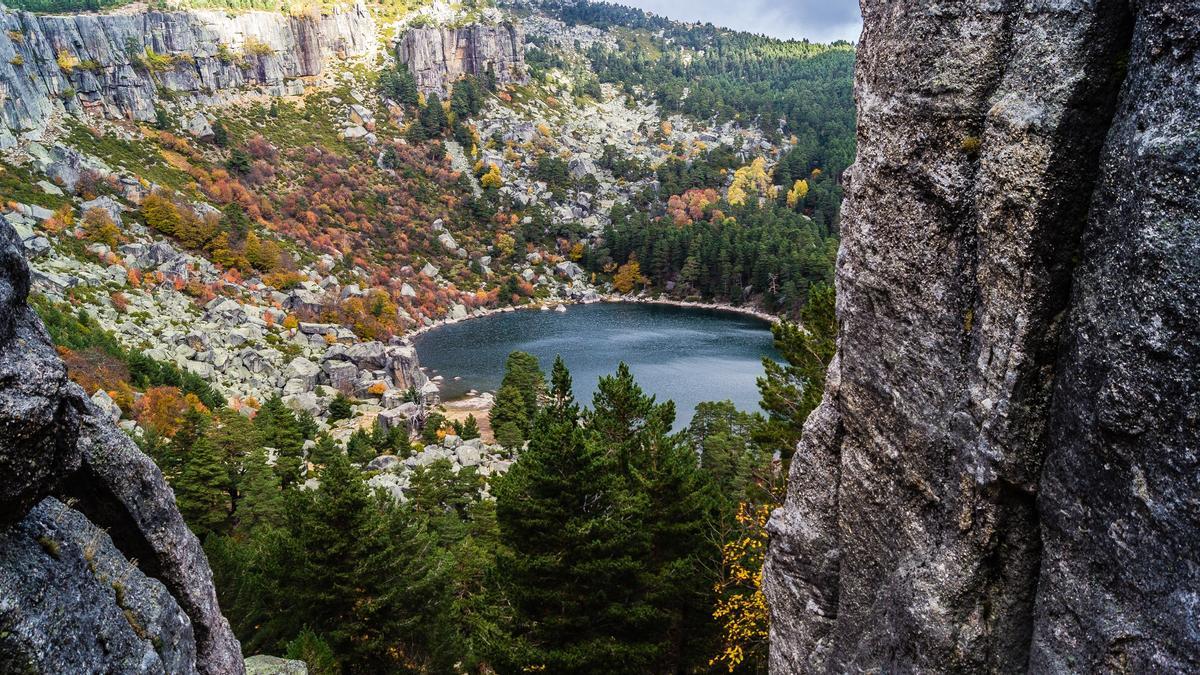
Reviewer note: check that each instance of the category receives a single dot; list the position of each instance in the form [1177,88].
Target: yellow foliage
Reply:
[100,228]
[491,180]
[741,606]
[66,61]
[666,128]
[628,276]
[506,243]
[290,322]
[577,251]
[752,178]
[377,389]
[798,191]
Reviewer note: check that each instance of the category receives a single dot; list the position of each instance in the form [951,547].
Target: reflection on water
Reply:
[685,354]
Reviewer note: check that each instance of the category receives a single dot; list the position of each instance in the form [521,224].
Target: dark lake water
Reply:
[685,354]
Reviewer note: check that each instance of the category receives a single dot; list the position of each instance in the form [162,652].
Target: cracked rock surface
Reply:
[1003,473]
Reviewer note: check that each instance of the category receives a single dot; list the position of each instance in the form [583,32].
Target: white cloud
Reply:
[817,20]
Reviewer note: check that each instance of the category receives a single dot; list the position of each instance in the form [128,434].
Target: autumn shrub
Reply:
[99,227]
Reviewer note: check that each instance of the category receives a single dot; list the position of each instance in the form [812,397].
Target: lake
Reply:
[685,354]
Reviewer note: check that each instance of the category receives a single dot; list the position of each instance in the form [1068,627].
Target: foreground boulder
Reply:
[1004,472]
[56,443]
[71,603]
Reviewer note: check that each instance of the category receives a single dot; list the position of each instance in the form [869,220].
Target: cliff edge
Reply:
[98,572]
[1003,473]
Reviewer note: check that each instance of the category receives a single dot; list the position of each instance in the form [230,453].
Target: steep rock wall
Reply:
[209,55]
[438,56]
[54,443]
[1003,470]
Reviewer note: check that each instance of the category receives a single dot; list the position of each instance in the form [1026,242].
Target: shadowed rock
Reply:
[55,441]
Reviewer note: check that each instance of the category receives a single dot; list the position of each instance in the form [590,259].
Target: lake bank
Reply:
[484,312]
[687,352]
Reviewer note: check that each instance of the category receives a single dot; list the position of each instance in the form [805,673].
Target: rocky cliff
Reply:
[1003,473]
[121,65]
[438,56]
[112,581]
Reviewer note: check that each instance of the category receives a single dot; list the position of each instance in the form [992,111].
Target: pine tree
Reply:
[324,450]
[790,391]
[508,417]
[261,502]
[433,424]
[620,412]
[277,428]
[359,448]
[562,395]
[659,476]
[362,575]
[220,135]
[339,408]
[518,398]
[202,490]
[406,88]
[433,117]
[469,428]
[571,558]
[232,434]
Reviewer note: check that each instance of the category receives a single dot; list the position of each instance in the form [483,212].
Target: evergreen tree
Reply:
[790,391]
[571,559]
[401,86]
[324,450]
[508,416]
[621,414]
[339,408]
[233,437]
[361,577]
[220,134]
[202,490]
[314,652]
[510,436]
[469,429]
[433,424]
[277,428]
[522,371]
[359,448]
[562,395]
[660,477]
[261,502]
[433,117]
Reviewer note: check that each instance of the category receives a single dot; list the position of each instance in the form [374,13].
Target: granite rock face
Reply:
[56,443]
[116,64]
[438,56]
[71,603]
[1003,472]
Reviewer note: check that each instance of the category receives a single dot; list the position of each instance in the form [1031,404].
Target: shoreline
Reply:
[607,298]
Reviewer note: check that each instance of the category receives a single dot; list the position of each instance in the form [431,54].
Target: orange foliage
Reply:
[94,369]
[163,408]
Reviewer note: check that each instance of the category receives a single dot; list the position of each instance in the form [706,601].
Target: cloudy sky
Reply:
[817,20]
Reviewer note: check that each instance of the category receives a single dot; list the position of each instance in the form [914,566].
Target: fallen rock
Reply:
[262,664]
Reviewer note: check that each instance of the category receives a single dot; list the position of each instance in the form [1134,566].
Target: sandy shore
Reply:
[479,405]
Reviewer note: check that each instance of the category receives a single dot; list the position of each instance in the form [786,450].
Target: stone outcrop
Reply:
[438,56]
[116,64]
[73,604]
[56,443]
[1003,473]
